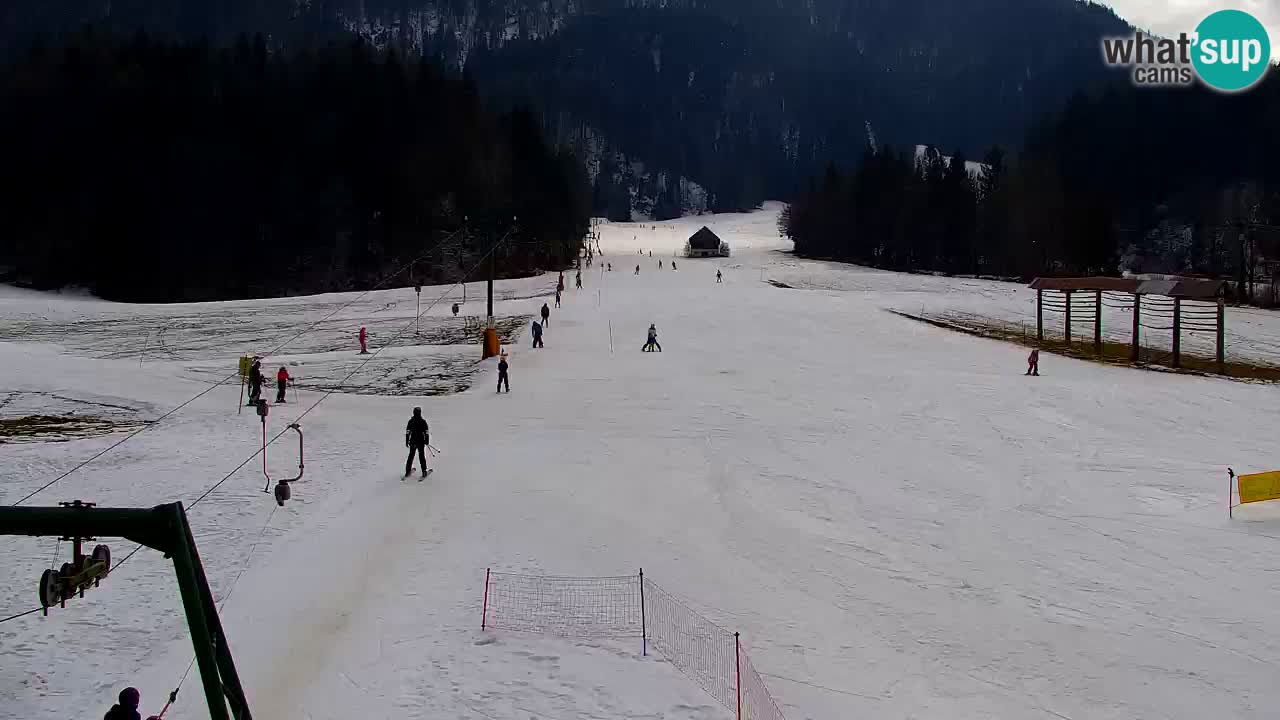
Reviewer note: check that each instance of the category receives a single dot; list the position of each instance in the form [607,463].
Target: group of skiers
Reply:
[256,379]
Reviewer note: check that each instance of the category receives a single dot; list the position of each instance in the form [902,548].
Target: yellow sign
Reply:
[1259,486]
[246,362]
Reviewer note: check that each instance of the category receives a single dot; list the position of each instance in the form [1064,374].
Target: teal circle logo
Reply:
[1233,51]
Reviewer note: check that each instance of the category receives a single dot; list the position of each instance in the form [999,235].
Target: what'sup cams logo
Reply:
[1229,51]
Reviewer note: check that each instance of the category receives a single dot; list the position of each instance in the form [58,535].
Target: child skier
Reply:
[282,382]
[502,372]
[718,277]
[1033,363]
[417,436]
[537,335]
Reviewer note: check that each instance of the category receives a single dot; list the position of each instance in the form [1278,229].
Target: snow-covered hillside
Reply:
[899,522]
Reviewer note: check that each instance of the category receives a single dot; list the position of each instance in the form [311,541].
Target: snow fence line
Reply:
[632,607]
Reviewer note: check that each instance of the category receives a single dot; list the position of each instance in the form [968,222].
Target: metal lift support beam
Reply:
[162,528]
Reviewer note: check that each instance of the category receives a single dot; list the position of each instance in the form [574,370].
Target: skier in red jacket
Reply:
[282,382]
[364,341]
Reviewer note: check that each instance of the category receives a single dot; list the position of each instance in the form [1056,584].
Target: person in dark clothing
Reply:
[608,267]
[127,708]
[255,381]
[455,309]
[282,382]
[558,299]
[417,436]
[546,313]
[560,283]
[659,264]
[637,269]
[537,335]
[502,373]
[652,342]
[673,264]
[578,279]
[718,277]
[1033,363]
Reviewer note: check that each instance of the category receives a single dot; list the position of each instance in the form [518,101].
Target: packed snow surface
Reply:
[898,521]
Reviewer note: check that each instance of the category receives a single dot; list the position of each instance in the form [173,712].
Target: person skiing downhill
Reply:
[652,341]
[609,267]
[560,283]
[1033,363]
[578,280]
[546,314]
[719,278]
[673,264]
[659,264]
[537,335]
[282,382]
[637,269]
[502,372]
[364,341]
[558,299]
[417,436]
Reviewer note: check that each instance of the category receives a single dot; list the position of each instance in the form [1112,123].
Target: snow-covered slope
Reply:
[899,522]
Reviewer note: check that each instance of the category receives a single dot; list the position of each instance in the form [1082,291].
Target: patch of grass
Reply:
[57,428]
[1113,353]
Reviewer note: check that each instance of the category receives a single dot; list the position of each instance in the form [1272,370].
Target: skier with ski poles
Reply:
[282,382]
[652,341]
[417,436]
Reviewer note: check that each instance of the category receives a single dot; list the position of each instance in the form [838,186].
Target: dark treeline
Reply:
[161,171]
[1127,178]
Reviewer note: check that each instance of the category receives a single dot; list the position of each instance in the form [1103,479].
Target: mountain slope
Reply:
[744,96]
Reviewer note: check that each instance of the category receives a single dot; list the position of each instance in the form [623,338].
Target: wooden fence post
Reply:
[1222,336]
[1177,332]
[1135,352]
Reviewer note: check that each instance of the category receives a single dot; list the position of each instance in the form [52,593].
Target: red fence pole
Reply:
[644,634]
[484,613]
[737,664]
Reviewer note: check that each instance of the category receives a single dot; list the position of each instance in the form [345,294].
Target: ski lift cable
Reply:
[220,382]
[235,581]
[341,383]
[118,563]
[280,434]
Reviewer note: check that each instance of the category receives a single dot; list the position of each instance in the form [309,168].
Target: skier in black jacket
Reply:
[417,436]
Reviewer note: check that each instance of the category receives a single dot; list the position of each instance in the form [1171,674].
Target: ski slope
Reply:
[900,524]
